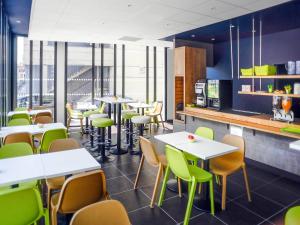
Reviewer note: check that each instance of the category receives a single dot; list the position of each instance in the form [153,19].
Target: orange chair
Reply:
[43,119]
[228,164]
[56,183]
[77,192]
[109,212]
[156,113]
[19,137]
[160,161]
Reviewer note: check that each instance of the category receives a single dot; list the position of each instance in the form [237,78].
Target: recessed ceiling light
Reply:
[213,39]
[193,35]
[129,5]
[18,21]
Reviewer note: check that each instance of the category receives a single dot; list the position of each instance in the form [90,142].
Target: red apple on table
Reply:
[191,138]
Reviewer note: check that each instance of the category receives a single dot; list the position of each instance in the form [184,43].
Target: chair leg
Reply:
[46,217]
[139,172]
[162,122]
[179,187]
[81,125]
[48,197]
[68,123]
[211,195]
[247,183]
[190,202]
[159,173]
[54,217]
[164,185]
[217,179]
[224,184]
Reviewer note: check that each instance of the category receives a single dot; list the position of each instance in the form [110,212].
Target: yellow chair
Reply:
[160,161]
[109,212]
[56,183]
[19,137]
[156,114]
[77,192]
[74,115]
[226,165]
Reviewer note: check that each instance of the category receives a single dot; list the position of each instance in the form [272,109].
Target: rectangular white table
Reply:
[203,149]
[29,112]
[42,166]
[32,129]
[83,106]
[116,101]
[295,145]
[140,105]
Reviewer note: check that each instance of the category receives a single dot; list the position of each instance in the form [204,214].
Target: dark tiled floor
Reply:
[271,196]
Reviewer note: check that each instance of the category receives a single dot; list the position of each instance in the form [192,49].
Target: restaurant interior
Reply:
[150,112]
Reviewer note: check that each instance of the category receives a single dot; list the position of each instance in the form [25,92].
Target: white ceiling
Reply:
[109,20]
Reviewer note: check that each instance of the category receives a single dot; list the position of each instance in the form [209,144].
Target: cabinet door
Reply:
[179,61]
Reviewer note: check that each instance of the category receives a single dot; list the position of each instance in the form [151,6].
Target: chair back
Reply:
[69,108]
[178,163]
[102,108]
[149,151]
[63,144]
[44,114]
[236,157]
[18,137]
[205,132]
[110,212]
[43,119]
[15,150]
[18,122]
[21,207]
[81,190]
[158,108]
[292,217]
[39,107]
[51,135]
[20,116]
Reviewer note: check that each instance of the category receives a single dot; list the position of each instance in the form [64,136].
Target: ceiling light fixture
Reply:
[213,39]
[193,35]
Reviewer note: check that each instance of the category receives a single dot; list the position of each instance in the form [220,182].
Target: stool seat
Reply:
[141,119]
[129,115]
[98,115]
[102,122]
[90,112]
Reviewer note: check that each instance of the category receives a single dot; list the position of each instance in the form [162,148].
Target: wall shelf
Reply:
[272,77]
[268,94]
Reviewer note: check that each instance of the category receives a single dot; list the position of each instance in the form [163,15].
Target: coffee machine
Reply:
[200,91]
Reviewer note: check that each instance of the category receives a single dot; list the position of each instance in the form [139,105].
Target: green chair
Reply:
[18,122]
[204,132]
[101,124]
[292,217]
[178,164]
[18,109]
[49,136]
[22,207]
[127,115]
[16,150]
[21,116]
[87,114]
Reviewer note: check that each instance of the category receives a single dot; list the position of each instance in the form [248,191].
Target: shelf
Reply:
[272,77]
[268,94]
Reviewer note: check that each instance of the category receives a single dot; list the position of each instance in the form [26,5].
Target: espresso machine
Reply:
[200,91]
[281,109]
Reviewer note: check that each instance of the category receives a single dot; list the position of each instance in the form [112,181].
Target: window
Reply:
[35,73]
[119,70]
[79,72]
[135,72]
[23,72]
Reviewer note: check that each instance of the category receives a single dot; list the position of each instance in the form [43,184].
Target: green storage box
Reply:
[265,70]
[294,130]
[247,72]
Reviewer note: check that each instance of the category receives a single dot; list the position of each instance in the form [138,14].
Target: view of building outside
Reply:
[35,73]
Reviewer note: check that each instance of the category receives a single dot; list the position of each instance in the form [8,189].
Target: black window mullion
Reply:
[41,73]
[93,73]
[123,70]
[66,79]
[147,74]
[154,75]
[30,73]
[115,78]
[55,81]
[166,83]
[102,70]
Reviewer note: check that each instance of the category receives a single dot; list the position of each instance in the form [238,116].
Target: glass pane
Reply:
[36,73]
[160,68]
[108,70]
[48,74]
[151,74]
[135,72]
[97,84]
[79,75]
[22,72]
[119,70]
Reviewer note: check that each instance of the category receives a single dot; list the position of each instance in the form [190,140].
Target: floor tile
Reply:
[254,183]
[153,216]
[176,208]
[289,185]
[259,205]
[118,184]
[111,172]
[146,178]
[132,200]
[263,175]
[205,219]
[148,190]
[236,215]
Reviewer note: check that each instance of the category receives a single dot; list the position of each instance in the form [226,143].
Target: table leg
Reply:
[118,150]
[202,201]
[109,128]
[143,111]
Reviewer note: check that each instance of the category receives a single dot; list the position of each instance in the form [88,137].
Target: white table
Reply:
[42,166]
[140,105]
[202,148]
[295,145]
[116,101]
[30,112]
[32,129]
[83,106]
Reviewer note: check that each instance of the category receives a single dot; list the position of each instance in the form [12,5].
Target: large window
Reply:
[79,72]
[35,73]
[23,80]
